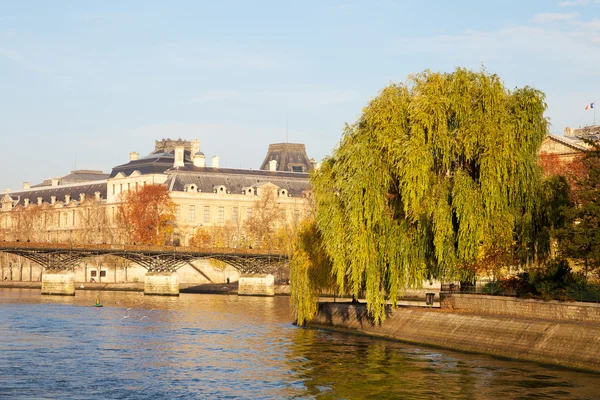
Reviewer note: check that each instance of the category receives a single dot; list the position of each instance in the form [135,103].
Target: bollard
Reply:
[429,299]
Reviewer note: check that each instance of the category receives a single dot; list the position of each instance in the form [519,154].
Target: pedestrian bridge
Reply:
[59,260]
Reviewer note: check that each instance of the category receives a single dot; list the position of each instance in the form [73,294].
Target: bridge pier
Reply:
[256,285]
[58,282]
[163,283]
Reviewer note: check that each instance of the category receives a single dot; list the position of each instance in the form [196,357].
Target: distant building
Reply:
[586,133]
[290,157]
[565,149]
[204,195]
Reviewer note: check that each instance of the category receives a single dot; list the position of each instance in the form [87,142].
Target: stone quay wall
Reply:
[568,344]
[512,306]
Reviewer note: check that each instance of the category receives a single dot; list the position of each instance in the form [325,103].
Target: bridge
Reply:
[59,260]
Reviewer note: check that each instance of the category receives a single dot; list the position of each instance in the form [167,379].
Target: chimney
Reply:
[54,181]
[26,185]
[67,198]
[52,200]
[215,162]
[26,202]
[195,147]
[273,165]
[178,156]
[97,196]
[81,197]
[40,200]
[134,155]
[199,160]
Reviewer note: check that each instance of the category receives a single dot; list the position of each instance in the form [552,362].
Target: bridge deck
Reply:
[140,249]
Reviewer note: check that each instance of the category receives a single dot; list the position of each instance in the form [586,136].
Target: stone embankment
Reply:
[567,343]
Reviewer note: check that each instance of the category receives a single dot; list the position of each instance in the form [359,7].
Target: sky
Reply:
[84,83]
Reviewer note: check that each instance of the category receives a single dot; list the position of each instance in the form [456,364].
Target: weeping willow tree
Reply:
[436,173]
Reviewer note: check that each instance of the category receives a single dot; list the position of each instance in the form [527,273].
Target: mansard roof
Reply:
[46,192]
[235,180]
[76,176]
[152,164]
[289,156]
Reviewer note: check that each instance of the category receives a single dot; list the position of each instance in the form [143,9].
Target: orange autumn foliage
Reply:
[573,170]
[147,214]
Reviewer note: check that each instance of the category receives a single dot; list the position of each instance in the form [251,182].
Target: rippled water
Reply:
[213,346]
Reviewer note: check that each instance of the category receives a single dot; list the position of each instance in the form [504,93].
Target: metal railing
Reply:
[590,293]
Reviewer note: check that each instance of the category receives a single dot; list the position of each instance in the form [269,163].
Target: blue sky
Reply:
[84,83]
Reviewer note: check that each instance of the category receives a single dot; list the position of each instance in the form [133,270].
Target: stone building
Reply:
[82,206]
[565,148]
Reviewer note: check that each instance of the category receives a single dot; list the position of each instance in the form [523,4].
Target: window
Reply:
[221,215]
[93,273]
[296,215]
[120,188]
[234,215]
[177,212]
[102,274]
[192,213]
[206,214]
[114,189]
[297,169]
[136,185]
[73,218]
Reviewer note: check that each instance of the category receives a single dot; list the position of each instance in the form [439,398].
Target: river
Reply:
[219,346]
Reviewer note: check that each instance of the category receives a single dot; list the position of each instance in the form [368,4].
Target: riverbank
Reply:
[571,344]
[207,288]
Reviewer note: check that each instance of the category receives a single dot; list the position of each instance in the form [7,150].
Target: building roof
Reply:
[60,191]
[152,164]
[289,157]
[575,144]
[234,180]
[76,176]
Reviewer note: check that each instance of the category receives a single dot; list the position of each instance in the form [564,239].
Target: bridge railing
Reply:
[139,248]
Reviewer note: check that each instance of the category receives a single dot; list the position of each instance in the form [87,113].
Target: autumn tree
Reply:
[94,225]
[580,236]
[147,214]
[262,225]
[29,223]
[202,238]
[435,171]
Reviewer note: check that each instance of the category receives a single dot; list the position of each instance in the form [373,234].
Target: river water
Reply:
[217,346]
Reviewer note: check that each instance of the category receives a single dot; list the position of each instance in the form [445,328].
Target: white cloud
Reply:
[573,3]
[542,18]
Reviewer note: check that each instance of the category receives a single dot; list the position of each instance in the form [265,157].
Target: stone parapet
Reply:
[527,308]
[59,283]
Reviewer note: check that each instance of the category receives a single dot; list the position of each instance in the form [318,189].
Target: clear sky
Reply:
[83,83]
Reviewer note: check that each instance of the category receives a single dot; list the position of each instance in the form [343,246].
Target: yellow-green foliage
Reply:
[310,272]
[433,171]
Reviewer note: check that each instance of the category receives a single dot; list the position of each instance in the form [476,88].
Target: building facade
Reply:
[82,207]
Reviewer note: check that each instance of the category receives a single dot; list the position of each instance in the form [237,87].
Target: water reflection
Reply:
[211,346]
